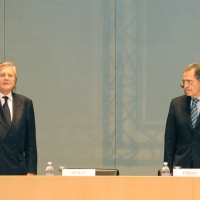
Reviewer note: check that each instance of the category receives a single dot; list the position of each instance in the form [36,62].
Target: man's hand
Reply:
[29,174]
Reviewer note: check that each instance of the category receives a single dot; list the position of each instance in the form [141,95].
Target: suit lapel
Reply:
[17,111]
[198,120]
[186,110]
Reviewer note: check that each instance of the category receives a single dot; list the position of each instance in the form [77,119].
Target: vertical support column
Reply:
[2,30]
[109,86]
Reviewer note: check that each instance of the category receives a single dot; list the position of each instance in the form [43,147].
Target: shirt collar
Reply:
[9,95]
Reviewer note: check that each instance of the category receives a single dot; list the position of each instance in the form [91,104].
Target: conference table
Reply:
[99,188]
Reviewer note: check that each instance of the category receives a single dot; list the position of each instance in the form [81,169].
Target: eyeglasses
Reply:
[3,75]
[182,83]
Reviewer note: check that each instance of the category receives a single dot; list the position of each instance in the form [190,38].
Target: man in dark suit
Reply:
[182,134]
[18,151]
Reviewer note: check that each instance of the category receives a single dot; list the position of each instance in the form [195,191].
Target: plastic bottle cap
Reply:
[49,163]
[165,163]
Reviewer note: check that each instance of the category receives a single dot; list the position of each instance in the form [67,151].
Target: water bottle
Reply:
[165,169]
[49,169]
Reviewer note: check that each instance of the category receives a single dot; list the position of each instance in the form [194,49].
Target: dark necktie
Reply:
[194,112]
[6,109]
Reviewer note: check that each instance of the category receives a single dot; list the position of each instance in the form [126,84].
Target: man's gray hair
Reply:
[196,67]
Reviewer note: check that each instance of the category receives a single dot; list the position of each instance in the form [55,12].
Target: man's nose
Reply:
[6,76]
[186,84]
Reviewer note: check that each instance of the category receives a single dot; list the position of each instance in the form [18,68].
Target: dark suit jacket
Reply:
[182,142]
[18,152]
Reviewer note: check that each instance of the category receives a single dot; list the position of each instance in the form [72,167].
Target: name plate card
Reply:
[186,172]
[78,172]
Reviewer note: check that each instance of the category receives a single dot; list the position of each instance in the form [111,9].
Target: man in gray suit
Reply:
[18,151]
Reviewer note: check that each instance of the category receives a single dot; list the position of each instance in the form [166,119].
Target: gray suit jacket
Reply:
[182,142]
[18,151]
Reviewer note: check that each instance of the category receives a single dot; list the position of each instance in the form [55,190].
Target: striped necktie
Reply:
[194,112]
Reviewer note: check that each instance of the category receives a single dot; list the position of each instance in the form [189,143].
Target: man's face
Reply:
[7,79]
[191,84]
